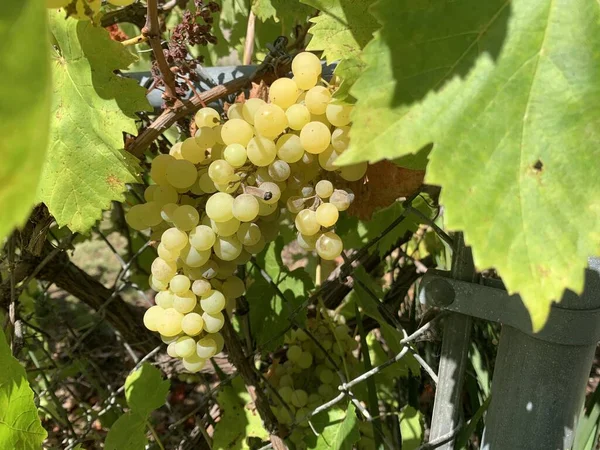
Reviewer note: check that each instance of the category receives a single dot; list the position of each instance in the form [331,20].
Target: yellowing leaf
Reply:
[24,109]
[86,167]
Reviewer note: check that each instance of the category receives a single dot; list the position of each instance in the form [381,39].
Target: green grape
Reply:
[186,217]
[164,195]
[213,322]
[305,360]
[202,238]
[306,222]
[299,398]
[324,188]
[261,151]
[266,209]
[206,184]
[167,211]
[340,139]
[270,120]
[192,324]
[135,218]
[289,148]
[250,108]
[167,254]
[193,363]
[226,228]
[283,92]
[243,258]
[206,347]
[158,169]
[194,258]
[216,284]
[245,207]
[233,287]
[317,99]
[227,248]
[327,215]
[218,340]
[272,193]
[297,116]
[184,302]
[200,287]
[220,171]
[306,60]
[169,323]
[175,150]
[329,246]
[209,270]
[152,317]
[219,207]
[249,234]
[213,302]
[164,299]
[255,249]
[293,353]
[181,174]
[295,204]
[321,118]
[179,284]
[151,212]
[235,155]
[149,192]
[157,284]
[305,79]
[338,115]
[185,347]
[207,117]
[172,350]
[327,159]
[235,111]
[237,131]
[163,270]
[341,199]
[205,137]
[279,170]
[191,151]
[315,137]
[354,172]
[226,268]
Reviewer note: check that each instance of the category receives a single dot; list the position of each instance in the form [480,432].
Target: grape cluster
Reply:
[306,378]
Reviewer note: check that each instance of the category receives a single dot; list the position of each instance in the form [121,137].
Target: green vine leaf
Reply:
[418,49]
[281,10]
[25,108]
[20,426]
[128,432]
[337,428]
[411,428]
[86,167]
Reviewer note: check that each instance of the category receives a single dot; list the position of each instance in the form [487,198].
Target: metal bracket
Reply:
[491,302]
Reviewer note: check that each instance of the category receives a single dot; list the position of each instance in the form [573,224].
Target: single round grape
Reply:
[317,99]
[235,155]
[152,317]
[207,117]
[151,212]
[305,360]
[170,322]
[297,116]
[270,120]
[233,287]
[327,159]
[206,347]
[338,115]
[243,258]
[250,108]
[225,228]
[218,340]
[299,398]
[219,207]
[236,131]
[329,246]
[172,349]
[179,284]
[163,270]
[266,209]
[272,193]
[226,268]
[341,331]
[227,248]
[213,322]
[184,302]
[192,152]
[235,111]
[164,299]
[165,194]
[283,92]
[216,284]
[193,363]
[158,169]
[279,170]
[194,258]
[220,171]
[167,211]
[321,118]
[289,148]
[167,254]
[185,347]
[354,172]
[261,151]
[340,139]
[181,174]
[156,284]
[149,192]
[306,60]
[249,233]
[293,353]
[306,222]
[341,199]
[255,249]
[175,150]
[205,137]
[135,218]
[186,217]
[210,269]
[315,137]
[305,79]
[206,183]
[245,207]
[202,238]
[201,287]
[324,188]
[327,215]
[212,302]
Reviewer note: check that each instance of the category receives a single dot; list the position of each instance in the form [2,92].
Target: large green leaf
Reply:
[145,389]
[419,48]
[286,11]
[337,428]
[238,422]
[25,107]
[20,427]
[411,428]
[128,432]
[269,313]
[86,167]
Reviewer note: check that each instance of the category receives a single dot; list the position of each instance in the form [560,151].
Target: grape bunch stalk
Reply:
[218,198]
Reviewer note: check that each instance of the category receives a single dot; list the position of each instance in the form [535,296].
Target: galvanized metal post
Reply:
[538,386]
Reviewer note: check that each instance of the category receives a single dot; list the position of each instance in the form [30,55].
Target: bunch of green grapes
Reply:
[306,378]
[217,198]
[80,11]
